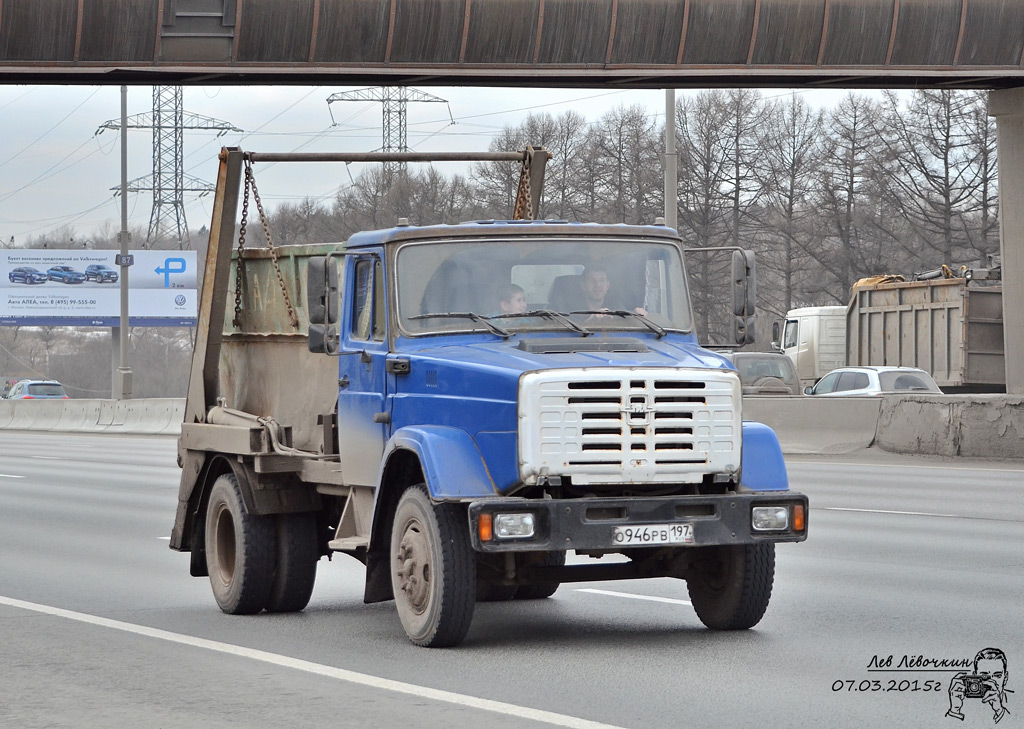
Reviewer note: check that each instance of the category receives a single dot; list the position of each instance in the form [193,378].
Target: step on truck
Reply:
[460,407]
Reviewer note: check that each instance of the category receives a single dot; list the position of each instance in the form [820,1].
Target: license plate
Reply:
[648,535]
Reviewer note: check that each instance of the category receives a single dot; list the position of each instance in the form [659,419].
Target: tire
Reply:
[433,570]
[486,592]
[297,557]
[731,586]
[547,589]
[241,550]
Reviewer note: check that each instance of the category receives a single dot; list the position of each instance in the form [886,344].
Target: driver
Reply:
[596,286]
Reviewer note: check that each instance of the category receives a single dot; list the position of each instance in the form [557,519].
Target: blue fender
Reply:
[452,465]
[762,467]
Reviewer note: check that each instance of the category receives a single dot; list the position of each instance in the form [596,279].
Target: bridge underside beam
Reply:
[628,43]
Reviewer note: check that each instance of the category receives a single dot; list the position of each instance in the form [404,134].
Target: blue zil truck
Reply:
[460,408]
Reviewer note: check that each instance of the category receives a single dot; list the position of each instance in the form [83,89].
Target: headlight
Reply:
[769,518]
[514,526]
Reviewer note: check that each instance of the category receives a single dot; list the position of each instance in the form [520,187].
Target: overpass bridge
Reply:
[593,43]
[635,43]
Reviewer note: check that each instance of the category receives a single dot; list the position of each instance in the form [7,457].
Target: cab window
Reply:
[368,305]
[792,329]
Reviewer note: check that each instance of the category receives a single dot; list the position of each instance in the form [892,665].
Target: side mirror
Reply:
[322,290]
[323,339]
[744,295]
[776,335]
[808,390]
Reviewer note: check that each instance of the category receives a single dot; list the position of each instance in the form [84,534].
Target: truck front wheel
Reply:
[241,550]
[730,586]
[433,570]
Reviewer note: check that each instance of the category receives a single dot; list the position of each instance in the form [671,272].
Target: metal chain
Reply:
[240,264]
[265,222]
[524,206]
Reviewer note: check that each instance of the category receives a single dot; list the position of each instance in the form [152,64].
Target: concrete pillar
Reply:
[1007,106]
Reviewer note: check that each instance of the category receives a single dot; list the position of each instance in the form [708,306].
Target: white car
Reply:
[861,381]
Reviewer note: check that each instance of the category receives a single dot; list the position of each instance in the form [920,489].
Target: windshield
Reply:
[524,284]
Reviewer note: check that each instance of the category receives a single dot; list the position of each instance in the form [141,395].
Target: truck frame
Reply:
[361,399]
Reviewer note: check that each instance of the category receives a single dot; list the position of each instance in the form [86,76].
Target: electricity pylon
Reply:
[395,100]
[169,182]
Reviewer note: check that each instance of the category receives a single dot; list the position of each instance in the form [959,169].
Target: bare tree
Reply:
[855,240]
[937,172]
[789,142]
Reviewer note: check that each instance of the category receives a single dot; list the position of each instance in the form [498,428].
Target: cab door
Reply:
[363,412]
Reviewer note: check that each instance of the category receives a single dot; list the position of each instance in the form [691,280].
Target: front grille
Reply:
[658,425]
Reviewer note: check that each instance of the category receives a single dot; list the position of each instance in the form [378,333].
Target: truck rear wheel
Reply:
[547,589]
[730,586]
[241,550]
[433,570]
[297,557]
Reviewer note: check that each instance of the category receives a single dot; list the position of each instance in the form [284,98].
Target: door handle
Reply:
[343,382]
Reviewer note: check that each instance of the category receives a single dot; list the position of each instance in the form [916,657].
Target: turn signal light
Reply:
[485,527]
[798,518]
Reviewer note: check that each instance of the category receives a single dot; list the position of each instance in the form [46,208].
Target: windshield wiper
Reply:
[549,314]
[643,319]
[466,315]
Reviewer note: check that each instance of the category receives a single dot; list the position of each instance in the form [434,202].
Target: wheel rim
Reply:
[225,541]
[413,566]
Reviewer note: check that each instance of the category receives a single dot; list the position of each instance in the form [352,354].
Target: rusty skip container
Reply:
[951,328]
[266,367]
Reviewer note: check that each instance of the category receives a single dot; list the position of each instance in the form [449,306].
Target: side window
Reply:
[852,381]
[368,321]
[792,329]
[827,384]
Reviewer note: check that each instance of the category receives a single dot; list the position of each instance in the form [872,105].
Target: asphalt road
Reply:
[101,625]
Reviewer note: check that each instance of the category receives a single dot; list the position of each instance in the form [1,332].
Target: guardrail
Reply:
[983,426]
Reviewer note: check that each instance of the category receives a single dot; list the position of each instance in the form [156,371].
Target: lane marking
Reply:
[632,596]
[886,511]
[48,458]
[946,467]
[9,475]
[919,513]
[166,539]
[341,674]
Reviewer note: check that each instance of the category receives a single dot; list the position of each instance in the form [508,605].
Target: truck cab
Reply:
[814,337]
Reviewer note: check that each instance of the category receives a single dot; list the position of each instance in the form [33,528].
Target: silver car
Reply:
[874,381]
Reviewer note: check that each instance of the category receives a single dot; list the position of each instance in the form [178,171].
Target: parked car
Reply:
[765,373]
[100,273]
[27,275]
[65,274]
[37,390]
[859,381]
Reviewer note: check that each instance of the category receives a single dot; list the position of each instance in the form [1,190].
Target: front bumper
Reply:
[563,524]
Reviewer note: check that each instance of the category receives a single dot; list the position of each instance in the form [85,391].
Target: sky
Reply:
[57,169]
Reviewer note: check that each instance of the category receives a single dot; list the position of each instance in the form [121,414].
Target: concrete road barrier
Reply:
[982,426]
[142,416]
[810,425]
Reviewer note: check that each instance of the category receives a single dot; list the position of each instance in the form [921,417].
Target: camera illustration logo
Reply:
[987,682]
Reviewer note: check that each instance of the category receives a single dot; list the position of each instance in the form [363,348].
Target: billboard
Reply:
[83,288]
